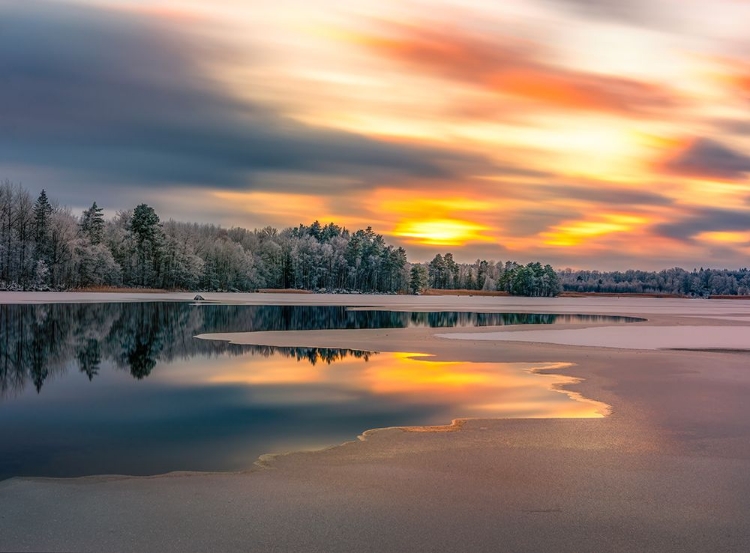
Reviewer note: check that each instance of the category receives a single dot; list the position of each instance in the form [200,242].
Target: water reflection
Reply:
[209,405]
[38,342]
[222,413]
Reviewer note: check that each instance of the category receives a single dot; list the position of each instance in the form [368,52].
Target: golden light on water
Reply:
[455,389]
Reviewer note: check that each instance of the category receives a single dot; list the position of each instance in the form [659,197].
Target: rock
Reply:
[198,298]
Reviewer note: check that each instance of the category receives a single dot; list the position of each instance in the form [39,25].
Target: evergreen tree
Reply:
[145,228]
[530,280]
[452,271]
[437,272]
[92,224]
[417,278]
[43,249]
[42,214]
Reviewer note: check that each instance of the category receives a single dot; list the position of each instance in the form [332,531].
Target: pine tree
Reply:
[418,279]
[42,214]
[43,249]
[92,224]
[145,228]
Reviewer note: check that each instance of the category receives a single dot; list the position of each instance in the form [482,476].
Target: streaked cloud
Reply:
[733,126]
[125,100]
[630,12]
[602,193]
[581,133]
[512,67]
[706,220]
[573,233]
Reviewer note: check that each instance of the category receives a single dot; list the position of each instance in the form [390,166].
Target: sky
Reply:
[605,134]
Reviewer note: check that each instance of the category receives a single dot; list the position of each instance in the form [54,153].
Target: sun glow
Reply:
[725,237]
[441,232]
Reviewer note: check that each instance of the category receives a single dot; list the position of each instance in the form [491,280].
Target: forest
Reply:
[676,281]
[45,246]
[443,273]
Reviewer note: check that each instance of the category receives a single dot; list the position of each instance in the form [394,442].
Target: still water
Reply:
[127,389]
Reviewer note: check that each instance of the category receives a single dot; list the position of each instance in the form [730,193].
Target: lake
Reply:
[126,388]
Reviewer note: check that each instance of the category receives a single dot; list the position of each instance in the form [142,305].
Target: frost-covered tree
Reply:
[92,224]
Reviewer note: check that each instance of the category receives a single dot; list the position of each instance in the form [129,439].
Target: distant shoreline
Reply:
[430,292]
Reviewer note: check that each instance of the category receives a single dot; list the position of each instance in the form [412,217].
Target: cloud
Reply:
[708,158]
[741,128]
[516,69]
[531,222]
[629,12]
[128,100]
[602,194]
[743,83]
[732,71]
[705,220]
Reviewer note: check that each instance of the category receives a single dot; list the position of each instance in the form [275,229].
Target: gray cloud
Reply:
[123,100]
[631,12]
[708,158]
[705,220]
[538,220]
[603,194]
[741,128]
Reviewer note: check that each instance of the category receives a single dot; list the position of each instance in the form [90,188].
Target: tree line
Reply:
[44,246]
[444,273]
[696,283]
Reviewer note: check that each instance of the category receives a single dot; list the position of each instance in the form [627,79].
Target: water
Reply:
[127,389]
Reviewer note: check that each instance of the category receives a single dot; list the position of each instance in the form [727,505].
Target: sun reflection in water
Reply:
[463,389]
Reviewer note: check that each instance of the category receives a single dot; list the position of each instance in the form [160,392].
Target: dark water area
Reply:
[126,388]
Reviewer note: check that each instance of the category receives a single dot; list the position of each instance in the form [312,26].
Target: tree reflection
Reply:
[89,355]
[38,342]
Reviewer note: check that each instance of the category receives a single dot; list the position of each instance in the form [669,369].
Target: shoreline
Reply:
[668,470]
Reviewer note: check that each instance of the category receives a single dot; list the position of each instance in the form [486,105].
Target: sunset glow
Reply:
[439,233]
[531,129]
[579,231]
[479,389]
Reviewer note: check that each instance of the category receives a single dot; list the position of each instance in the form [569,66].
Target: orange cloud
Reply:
[515,69]
[725,237]
[743,82]
[731,73]
[574,233]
